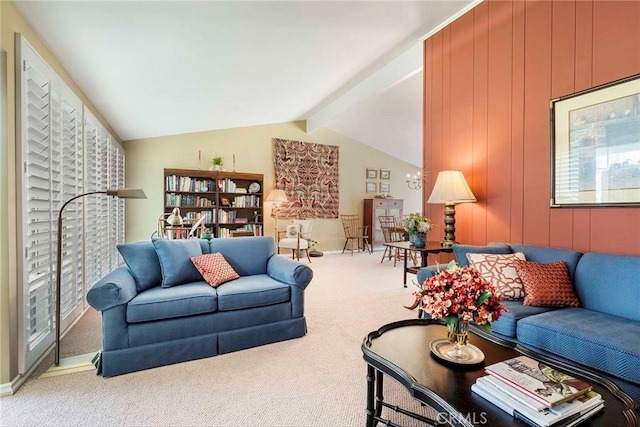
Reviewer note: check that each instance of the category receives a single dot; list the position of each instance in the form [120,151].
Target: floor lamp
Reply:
[277,196]
[87,361]
[450,188]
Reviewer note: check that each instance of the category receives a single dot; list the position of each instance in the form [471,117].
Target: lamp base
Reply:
[448,243]
[71,365]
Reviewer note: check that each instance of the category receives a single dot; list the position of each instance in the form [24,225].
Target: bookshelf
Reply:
[232,202]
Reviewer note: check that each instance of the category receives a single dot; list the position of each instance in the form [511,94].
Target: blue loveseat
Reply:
[603,334]
[158,309]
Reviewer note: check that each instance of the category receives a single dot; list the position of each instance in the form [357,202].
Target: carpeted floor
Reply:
[317,380]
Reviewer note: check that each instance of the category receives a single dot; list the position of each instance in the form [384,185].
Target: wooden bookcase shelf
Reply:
[231,201]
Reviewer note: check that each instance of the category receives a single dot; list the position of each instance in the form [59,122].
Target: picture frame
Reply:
[224,201]
[385,187]
[385,174]
[595,151]
[371,187]
[372,173]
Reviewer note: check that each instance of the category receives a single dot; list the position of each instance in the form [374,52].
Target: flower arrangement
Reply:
[460,294]
[416,223]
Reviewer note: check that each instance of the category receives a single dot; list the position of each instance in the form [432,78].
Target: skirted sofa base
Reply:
[146,324]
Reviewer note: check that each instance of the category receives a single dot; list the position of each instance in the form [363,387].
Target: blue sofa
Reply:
[146,324]
[603,334]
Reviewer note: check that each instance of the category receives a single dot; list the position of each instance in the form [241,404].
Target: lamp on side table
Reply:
[450,188]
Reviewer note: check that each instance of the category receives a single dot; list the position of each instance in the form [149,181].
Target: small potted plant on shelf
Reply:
[217,162]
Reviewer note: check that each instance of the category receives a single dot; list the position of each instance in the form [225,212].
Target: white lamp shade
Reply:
[277,195]
[451,187]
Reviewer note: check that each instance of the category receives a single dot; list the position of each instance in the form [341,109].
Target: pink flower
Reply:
[460,291]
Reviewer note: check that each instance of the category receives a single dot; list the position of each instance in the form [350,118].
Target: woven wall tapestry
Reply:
[309,175]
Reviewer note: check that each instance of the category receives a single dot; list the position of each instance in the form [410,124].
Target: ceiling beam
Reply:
[402,67]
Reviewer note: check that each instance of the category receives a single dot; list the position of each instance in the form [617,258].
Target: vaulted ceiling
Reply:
[157,68]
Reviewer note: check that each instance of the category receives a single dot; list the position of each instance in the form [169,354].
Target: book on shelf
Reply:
[564,415]
[540,382]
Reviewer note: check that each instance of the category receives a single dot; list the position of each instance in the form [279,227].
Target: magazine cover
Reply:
[541,382]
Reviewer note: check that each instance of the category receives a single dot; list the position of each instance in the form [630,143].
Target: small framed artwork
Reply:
[385,187]
[385,174]
[224,201]
[371,187]
[372,174]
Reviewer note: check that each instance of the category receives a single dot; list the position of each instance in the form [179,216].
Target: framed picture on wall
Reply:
[371,187]
[385,187]
[596,146]
[385,174]
[372,173]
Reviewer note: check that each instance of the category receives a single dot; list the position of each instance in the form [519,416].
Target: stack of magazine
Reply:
[537,394]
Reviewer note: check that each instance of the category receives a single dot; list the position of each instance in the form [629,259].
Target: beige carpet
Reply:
[317,380]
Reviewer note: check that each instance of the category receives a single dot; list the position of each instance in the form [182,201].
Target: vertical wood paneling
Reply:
[562,83]
[616,42]
[499,122]
[616,54]
[517,123]
[583,73]
[427,110]
[537,87]
[500,64]
[461,132]
[447,160]
[478,181]
[436,211]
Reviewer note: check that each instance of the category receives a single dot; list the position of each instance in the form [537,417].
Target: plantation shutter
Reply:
[104,215]
[37,219]
[64,152]
[72,184]
[93,264]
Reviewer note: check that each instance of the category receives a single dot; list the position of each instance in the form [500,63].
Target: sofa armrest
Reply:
[289,271]
[428,272]
[116,288]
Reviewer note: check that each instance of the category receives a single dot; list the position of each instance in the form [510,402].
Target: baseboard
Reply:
[8,389]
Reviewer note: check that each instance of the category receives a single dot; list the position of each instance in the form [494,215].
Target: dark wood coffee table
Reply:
[401,350]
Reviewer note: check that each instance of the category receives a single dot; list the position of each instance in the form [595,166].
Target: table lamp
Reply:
[450,188]
[91,360]
[277,196]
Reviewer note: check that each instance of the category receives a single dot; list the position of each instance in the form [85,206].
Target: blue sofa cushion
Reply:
[143,262]
[251,291]
[461,251]
[601,341]
[166,303]
[547,255]
[247,256]
[609,284]
[507,322]
[175,260]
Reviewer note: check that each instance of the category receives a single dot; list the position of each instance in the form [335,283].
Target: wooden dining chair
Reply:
[391,232]
[355,233]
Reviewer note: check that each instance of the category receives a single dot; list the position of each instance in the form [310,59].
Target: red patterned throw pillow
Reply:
[214,268]
[547,285]
[499,271]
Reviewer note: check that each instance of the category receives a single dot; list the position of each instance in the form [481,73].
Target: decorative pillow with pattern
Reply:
[547,285]
[499,271]
[214,268]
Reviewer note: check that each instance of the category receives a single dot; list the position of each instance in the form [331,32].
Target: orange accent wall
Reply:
[489,77]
